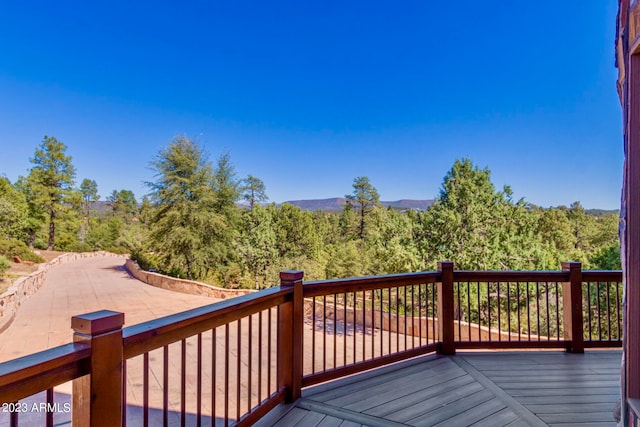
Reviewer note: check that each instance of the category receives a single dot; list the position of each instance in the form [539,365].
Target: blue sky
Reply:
[309,95]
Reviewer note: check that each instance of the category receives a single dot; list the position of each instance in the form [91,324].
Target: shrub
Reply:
[145,260]
[4,265]
[79,247]
[176,272]
[607,258]
[120,250]
[11,247]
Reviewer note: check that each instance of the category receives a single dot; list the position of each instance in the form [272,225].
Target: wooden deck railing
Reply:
[231,362]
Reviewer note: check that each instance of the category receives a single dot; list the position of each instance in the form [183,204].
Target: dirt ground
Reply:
[17,270]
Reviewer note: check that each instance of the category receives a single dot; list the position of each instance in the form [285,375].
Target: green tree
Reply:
[479,228]
[555,228]
[36,214]
[459,226]
[364,199]
[124,204]
[146,210]
[13,211]
[226,190]
[225,185]
[186,229]
[258,244]
[51,179]
[296,234]
[607,258]
[345,260]
[393,246]
[89,190]
[69,231]
[583,228]
[105,233]
[253,191]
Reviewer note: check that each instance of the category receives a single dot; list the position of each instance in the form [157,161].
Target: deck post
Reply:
[290,333]
[445,308]
[97,397]
[572,307]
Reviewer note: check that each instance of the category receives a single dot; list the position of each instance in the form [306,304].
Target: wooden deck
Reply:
[479,389]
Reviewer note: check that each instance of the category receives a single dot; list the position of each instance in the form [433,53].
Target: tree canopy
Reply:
[191,225]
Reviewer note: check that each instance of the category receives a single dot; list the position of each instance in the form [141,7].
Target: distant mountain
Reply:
[602,212]
[334,204]
[337,203]
[100,206]
[421,205]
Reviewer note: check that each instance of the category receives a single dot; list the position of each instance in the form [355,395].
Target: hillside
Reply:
[337,203]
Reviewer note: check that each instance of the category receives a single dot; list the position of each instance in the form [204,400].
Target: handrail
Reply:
[40,371]
[510,276]
[367,283]
[358,284]
[154,334]
[602,276]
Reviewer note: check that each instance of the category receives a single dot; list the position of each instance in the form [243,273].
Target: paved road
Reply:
[90,284]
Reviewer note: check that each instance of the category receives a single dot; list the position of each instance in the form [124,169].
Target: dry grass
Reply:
[17,270]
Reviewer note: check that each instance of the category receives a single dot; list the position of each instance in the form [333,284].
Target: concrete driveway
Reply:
[90,284]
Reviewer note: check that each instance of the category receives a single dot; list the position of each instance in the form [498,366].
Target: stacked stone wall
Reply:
[181,285]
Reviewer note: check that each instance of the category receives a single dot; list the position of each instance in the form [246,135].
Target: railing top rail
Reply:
[157,333]
[31,374]
[510,276]
[602,276]
[534,276]
[355,284]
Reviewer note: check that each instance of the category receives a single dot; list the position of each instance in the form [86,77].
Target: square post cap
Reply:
[97,322]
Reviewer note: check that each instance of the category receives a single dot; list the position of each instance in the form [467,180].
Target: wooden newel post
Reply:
[290,333]
[97,397]
[572,307]
[445,308]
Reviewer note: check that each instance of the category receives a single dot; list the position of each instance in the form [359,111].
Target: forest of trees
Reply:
[191,224]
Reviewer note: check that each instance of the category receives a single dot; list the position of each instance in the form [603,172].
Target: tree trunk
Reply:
[362,221]
[32,238]
[52,230]
[189,270]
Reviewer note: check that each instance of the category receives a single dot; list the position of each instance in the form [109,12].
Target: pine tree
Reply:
[51,180]
[364,199]
[190,229]
[253,191]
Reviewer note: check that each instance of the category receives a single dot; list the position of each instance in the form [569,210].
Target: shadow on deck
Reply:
[479,389]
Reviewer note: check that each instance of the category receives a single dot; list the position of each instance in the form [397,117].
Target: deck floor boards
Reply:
[418,407]
[480,389]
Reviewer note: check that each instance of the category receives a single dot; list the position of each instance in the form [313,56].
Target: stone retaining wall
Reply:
[414,326]
[22,288]
[181,285]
